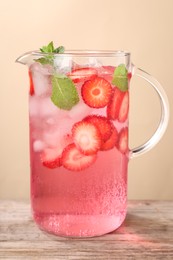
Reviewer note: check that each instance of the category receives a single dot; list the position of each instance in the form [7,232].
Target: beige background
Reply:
[144,27]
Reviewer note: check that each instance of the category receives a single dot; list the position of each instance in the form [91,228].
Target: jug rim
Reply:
[85,53]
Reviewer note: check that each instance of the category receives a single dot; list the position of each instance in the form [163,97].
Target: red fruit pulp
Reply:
[31,84]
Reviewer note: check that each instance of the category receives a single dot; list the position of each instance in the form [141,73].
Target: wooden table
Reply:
[147,233]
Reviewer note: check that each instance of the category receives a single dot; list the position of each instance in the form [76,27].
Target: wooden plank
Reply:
[147,233]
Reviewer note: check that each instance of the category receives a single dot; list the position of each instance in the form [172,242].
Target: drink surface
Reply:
[78,149]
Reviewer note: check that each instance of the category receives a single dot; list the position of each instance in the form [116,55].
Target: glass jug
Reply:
[79,153]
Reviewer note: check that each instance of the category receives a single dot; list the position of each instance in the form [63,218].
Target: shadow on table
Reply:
[148,232]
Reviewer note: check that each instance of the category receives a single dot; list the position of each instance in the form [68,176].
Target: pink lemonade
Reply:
[79,150]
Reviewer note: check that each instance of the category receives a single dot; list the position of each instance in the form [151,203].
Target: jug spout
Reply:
[26,58]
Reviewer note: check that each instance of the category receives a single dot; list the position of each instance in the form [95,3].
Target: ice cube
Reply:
[47,108]
[41,79]
[65,126]
[51,121]
[58,149]
[106,72]
[57,137]
[63,64]
[80,111]
[34,106]
[93,62]
[51,138]
[44,69]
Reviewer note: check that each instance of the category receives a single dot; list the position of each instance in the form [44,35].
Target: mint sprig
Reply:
[46,60]
[49,50]
[64,93]
[120,77]
[60,49]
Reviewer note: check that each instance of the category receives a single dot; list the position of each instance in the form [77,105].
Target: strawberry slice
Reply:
[87,137]
[111,142]
[123,141]
[114,104]
[74,160]
[118,107]
[97,92]
[51,158]
[31,89]
[82,74]
[124,108]
[102,123]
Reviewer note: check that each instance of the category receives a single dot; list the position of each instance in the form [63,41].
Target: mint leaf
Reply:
[64,93]
[46,60]
[120,78]
[62,76]
[60,49]
[47,49]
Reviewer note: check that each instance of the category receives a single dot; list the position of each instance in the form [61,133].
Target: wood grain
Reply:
[147,233]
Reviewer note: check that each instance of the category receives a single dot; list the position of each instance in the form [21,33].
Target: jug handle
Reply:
[155,138]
